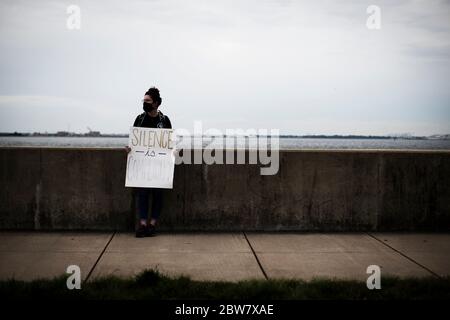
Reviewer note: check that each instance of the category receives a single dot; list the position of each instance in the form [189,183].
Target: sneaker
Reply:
[151,231]
[141,231]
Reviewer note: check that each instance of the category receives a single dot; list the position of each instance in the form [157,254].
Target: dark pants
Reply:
[143,195]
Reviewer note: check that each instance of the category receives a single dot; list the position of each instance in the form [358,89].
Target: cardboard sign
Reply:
[151,161]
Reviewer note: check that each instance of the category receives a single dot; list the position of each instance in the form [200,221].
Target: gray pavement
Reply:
[224,256]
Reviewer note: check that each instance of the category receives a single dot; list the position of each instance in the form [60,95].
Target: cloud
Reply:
[51,113]
[248,63]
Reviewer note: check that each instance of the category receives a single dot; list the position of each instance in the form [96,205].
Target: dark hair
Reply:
[154,93]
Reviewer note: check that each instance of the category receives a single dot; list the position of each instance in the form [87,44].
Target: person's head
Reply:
[152,99]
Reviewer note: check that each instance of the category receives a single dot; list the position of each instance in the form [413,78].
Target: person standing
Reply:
[152,117]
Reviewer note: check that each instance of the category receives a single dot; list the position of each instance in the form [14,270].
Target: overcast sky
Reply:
[304,67]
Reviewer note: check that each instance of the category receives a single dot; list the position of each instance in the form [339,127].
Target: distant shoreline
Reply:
[97,134]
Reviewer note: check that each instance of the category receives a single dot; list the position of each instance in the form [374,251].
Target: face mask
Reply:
[147,107]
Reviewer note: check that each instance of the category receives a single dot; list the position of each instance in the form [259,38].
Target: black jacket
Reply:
[160,121]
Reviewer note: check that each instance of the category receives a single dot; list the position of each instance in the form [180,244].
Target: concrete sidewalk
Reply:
[224,256]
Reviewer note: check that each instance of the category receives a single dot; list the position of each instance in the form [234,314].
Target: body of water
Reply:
[284,143]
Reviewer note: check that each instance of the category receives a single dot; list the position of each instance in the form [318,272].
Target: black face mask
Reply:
[147,106]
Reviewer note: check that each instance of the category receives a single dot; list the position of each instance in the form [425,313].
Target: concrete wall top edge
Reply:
[415,151]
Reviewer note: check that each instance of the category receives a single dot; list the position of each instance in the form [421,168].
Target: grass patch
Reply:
[152,285]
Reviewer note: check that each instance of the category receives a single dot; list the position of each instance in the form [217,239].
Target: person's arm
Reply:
[135,124]
[168,123]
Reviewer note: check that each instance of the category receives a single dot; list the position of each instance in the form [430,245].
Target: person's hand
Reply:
[127,149]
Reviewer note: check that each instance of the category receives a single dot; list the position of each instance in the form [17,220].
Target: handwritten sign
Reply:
[151,161]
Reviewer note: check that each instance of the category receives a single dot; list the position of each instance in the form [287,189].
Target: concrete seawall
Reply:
[83,189]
